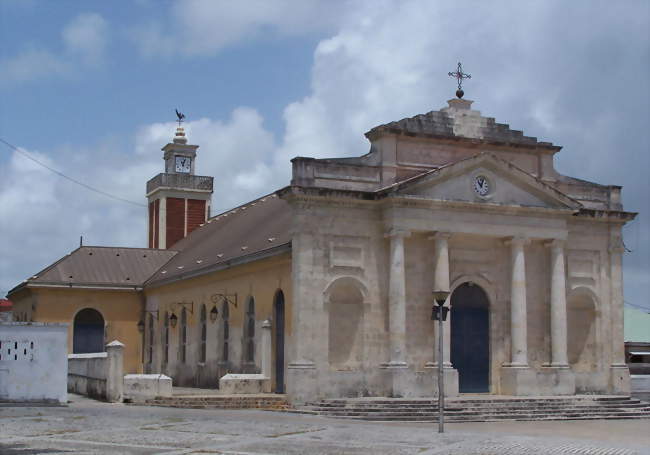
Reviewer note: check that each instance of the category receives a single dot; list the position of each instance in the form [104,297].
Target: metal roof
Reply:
[256,229]
[102,267]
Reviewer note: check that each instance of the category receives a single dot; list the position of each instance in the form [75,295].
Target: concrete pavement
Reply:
[91,427]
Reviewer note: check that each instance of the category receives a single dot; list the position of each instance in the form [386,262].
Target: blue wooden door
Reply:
[470,338]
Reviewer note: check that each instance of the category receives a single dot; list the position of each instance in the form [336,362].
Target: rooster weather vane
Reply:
[180,116]
[459,75]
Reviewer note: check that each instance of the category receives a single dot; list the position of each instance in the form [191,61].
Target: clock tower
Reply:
[179,201]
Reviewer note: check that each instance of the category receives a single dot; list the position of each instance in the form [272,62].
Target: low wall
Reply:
[98,375]
[33,366]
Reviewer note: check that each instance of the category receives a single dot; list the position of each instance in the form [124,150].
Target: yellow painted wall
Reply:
[121,311]
[260,279]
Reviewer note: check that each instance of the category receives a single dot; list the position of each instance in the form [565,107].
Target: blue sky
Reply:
[89,87]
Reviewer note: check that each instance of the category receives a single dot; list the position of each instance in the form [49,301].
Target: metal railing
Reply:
[187,181]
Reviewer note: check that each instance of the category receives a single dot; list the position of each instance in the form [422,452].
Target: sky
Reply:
[89,88]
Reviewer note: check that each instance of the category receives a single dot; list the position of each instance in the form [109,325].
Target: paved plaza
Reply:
[91,427]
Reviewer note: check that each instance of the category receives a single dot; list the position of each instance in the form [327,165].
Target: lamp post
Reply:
[439,313]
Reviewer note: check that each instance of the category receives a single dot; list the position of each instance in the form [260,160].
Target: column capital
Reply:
[555,243]
[518,240]
[440,235]
[397,232]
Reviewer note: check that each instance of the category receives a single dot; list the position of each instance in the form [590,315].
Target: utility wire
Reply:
[636,305]
[73,180]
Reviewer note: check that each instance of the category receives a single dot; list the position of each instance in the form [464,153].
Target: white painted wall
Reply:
[33,361]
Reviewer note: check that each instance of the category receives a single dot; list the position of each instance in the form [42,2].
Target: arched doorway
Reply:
[88,332]
[470,338]
[278,318]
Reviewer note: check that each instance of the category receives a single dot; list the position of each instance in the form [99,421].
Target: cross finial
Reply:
[459,75]
[180,117]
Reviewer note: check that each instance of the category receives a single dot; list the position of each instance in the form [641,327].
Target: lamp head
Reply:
[440,297]
[214,313]
[173,319]
[141,326]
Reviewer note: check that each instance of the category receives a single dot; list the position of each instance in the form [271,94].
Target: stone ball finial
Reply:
[180,137]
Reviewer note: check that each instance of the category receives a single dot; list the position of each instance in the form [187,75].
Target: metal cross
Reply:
[459,75]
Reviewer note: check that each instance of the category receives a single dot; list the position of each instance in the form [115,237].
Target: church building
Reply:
[325,285]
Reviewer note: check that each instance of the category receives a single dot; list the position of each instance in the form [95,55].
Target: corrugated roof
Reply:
[104,266]
[257,227]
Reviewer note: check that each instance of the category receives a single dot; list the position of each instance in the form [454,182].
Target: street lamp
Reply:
[439,313]
[214,313]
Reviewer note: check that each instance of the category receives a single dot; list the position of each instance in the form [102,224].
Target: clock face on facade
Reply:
[183,164]
[482,185]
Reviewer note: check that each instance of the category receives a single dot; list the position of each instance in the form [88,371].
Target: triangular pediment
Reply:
[485,179]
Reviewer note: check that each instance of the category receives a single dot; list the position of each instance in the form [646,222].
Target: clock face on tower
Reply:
[183,164]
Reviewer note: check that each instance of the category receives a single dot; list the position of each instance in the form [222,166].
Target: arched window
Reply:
[204,333]
[88,335]
[166,340]
[249,331]
[225,314]
[150,343]
[183,344]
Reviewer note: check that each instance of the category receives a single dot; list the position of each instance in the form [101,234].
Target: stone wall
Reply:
[98,375]
[33,363]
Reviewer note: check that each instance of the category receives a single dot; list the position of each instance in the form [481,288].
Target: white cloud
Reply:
[204,27]
[84,40]
[574,74]
[87,35]
[32,64]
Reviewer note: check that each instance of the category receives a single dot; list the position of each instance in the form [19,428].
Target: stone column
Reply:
[397,300]
[114,371]
[302,376]
[267,355]
[558,306]
[517,378]
[518,314]
[266,343]
[620,374]
[441,283]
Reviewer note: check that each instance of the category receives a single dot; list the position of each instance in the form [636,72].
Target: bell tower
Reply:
[179,201]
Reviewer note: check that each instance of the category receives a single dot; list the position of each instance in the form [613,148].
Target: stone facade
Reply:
[324,288]
[374,235]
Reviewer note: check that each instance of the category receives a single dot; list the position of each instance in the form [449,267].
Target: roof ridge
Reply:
[271,194]
[123,248]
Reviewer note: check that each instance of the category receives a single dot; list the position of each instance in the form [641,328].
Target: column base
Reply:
[619,379]
[518,380]
[449,375]
[302,381]
[556,379]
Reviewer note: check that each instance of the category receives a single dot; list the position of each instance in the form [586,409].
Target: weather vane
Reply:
[181,117]
[459,75]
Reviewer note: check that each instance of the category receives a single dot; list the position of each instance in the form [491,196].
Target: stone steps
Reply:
[484,409]
[226,402]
